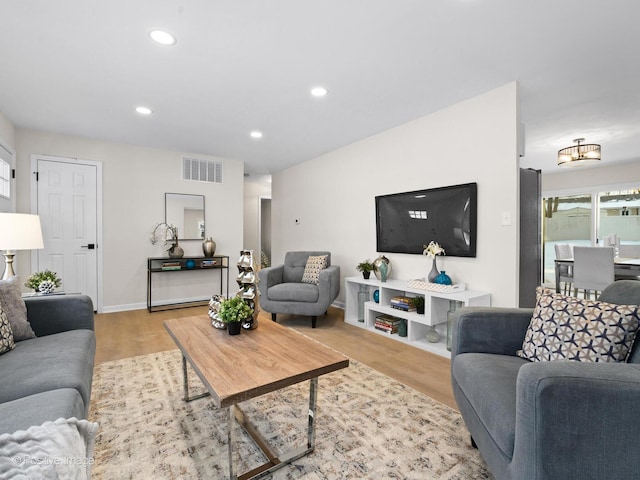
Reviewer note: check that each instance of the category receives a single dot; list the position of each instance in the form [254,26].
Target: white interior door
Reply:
[68,208]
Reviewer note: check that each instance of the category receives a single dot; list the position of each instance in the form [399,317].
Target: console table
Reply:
[167,265]
[437,305]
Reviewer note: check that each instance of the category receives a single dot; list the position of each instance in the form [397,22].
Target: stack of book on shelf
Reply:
[208,263]
[171,266]
[402,303]
[387,323]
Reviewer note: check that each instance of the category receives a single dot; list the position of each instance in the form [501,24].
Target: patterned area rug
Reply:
[368,426]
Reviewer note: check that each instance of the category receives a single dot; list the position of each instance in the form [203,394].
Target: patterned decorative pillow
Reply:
[312,270]
[569,328]
[6,334]
[15,308]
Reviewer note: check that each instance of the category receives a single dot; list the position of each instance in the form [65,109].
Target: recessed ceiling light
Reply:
[162,37]
[144,110]
[319,91]
[256,134]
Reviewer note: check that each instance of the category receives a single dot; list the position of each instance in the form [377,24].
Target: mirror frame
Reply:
[179,223]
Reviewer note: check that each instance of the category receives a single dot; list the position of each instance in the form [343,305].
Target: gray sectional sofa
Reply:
[49,376]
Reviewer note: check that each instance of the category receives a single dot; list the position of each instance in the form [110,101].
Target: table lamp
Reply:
[18,231]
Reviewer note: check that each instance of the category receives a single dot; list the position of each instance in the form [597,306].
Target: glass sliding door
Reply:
[619,213]
[566,219]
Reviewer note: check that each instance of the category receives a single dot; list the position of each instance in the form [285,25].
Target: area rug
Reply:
[368,426]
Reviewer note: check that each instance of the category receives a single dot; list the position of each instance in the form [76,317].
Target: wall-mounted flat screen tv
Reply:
[405,222]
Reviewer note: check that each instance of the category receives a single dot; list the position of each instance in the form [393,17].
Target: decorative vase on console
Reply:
[433,274]
[209,247]
[442,278]
[433,250]
[376,267]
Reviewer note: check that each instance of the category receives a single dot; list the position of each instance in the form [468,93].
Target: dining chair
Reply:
[564,252]
[593,269]
[629,251]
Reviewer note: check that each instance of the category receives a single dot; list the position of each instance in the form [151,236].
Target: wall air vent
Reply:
[200,170]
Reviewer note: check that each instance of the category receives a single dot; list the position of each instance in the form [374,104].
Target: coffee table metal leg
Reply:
[185,384]
[230,440]
[275,461]
[313,397]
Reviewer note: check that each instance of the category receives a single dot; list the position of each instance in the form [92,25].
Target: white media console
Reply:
[436,304]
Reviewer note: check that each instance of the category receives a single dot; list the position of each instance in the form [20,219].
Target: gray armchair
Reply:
[282,290]
[545,420]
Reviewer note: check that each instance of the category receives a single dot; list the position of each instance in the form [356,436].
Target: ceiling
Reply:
[80,67]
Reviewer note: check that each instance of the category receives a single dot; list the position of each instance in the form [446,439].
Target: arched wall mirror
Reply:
[186,212]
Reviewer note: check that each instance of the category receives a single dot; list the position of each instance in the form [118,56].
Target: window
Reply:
[566,220]
[587,218]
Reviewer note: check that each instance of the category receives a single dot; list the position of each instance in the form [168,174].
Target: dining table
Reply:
[623,268]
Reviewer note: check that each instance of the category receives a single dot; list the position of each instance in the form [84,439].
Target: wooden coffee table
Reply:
[235,368]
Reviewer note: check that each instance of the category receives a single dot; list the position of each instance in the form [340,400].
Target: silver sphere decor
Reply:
[376,266]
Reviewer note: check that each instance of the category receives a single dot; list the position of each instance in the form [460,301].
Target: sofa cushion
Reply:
[570,328]
[35,409]
[61,360]
[14,307]
[315,263]
[294,292]
[488,381]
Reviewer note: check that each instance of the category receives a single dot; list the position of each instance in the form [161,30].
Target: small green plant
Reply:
[35,280]
[418,301]
[234,310]
[365,266]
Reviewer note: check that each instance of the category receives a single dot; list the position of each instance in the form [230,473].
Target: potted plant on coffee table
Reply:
[366,268]
[232,312]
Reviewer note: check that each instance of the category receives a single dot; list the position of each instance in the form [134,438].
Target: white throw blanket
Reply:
[54,450]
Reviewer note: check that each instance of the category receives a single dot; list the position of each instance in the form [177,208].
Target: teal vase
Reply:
[442,278]
[383,272]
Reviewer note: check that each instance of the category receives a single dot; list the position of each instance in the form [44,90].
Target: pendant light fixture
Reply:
[579,155]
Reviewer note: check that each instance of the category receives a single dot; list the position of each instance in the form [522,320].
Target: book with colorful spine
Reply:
[402,303]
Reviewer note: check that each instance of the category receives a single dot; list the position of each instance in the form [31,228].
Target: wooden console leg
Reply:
[273,317]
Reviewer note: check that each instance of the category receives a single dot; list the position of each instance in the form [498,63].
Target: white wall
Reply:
[577,178]
[7,147]
[253,191]
[333,195]
[7,131]
[135,180]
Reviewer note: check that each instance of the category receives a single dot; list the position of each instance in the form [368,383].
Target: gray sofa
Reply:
[49,377]
[282,290]
[558,420]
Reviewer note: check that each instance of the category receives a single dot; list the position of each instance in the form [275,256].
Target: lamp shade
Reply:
[20,231]
[580,154]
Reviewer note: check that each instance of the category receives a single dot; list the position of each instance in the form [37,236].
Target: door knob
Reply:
[90,246]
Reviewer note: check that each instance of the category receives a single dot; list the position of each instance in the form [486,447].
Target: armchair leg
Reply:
[313,321]
[473,442]
[273,317]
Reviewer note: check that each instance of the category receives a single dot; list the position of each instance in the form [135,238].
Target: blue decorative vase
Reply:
[383,272]
[443,278]
[376,296]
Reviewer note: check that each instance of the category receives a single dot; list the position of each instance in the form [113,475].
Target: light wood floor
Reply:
[127,334]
